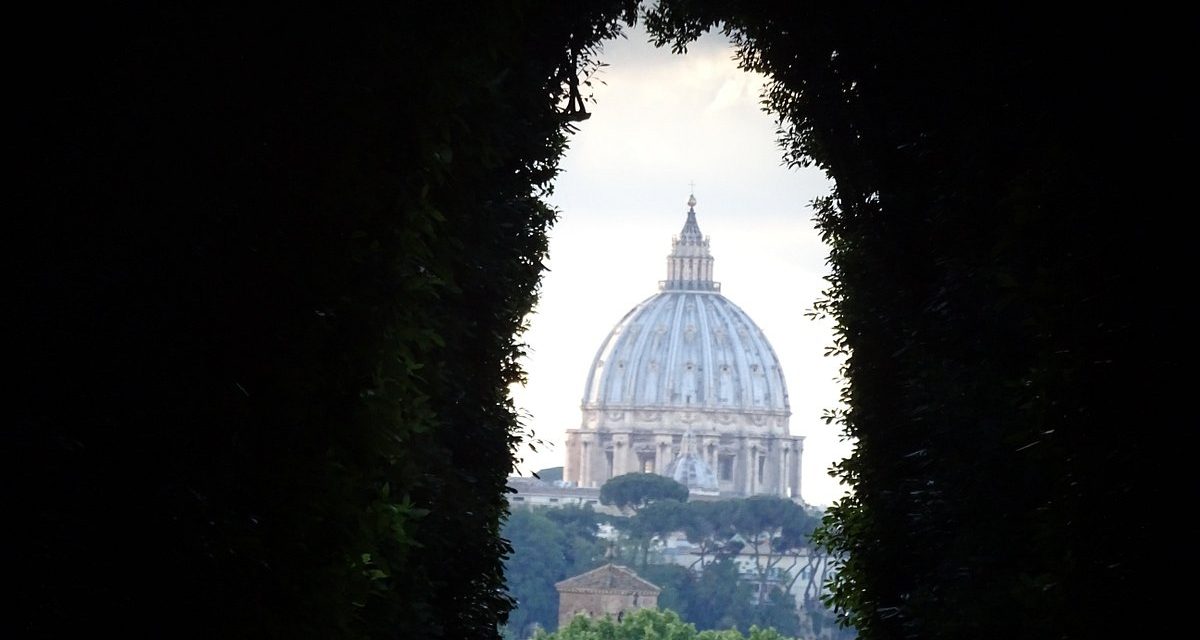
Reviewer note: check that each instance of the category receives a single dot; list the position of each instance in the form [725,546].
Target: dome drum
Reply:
[713,422]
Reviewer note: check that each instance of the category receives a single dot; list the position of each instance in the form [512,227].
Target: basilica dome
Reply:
[687,386]
[688,348]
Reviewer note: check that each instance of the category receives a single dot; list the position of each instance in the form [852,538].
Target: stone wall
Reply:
[597,604]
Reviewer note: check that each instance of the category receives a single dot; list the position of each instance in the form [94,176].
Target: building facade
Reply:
[687,362]
[610,590]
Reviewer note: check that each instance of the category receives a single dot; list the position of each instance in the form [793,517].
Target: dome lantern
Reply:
[690,265]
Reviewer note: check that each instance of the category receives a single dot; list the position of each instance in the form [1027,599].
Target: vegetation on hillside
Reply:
[767,536]
[649,624]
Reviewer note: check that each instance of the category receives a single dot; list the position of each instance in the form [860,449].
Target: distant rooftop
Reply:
[610,577]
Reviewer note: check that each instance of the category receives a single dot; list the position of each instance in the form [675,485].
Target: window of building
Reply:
[726,464]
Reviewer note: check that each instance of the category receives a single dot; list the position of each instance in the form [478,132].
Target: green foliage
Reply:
[772,529]
[649,624]
[676,584]
[711,594]
[538,560]
[636,490]
[548,545]
[1004,314]
[712,598]
[580,526]
[709,525]
[656,519]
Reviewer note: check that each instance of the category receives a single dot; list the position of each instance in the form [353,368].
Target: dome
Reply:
[688,348]
[687,386]
[690,470]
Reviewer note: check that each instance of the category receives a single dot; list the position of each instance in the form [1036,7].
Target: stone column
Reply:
[622,452]
[756,451]
[773,466]
[786,469]
[781,476]
[797,461]
[571,467]
[748,454]
[708,449]
[597,467]
[739,472]
[585,459]
[662,453]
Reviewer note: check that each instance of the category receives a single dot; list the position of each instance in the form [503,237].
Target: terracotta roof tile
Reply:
[610,577]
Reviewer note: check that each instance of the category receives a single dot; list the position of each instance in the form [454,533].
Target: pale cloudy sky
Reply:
[660,122]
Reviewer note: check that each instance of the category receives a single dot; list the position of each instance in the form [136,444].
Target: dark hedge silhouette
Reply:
[1009,294]
[270,266]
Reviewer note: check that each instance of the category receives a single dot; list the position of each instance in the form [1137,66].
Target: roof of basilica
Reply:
[687,347]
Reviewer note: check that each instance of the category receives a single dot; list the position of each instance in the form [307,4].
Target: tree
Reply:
[712,594]
[649,624]
[636,490]
[719,598]
[548,545]
[709,525]
[579,524]
[538,560]
[657,519]
[677,584]
[774,529]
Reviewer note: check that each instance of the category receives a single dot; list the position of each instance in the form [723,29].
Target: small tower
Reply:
[610,590]
[690,470]
[690,265]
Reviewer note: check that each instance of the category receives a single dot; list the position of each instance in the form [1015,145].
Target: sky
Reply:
[661,122]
